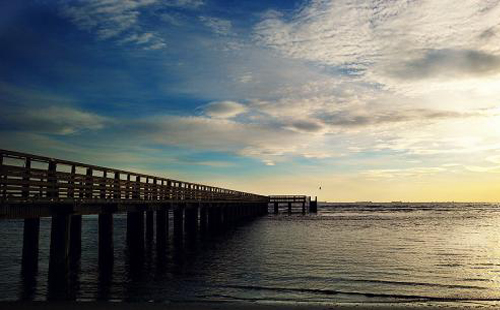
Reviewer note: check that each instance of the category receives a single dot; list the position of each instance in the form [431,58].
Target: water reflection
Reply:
[346,255]
[29,274]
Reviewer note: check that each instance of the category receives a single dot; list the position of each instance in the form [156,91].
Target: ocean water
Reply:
[416,253]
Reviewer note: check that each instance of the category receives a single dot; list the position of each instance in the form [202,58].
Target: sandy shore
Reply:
[226,306]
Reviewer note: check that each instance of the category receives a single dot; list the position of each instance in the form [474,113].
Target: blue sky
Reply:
[372,100]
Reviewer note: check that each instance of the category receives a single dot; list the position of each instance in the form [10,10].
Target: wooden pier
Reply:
[34,186]
[293,200]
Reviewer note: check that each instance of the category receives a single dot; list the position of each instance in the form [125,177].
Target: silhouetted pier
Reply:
[289,201]
[33,186]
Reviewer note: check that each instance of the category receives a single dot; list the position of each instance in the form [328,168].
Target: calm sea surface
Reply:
[413,253]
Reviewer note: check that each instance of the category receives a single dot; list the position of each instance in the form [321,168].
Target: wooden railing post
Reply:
[89,184]
[117,194]
[103,185]
[2,178]
[52,189]
[128,188]
[136,188]
[155,189]
[170,195]
[71,182]
[26,178]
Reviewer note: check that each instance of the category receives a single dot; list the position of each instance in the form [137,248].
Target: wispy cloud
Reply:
[359,34]
[217,25]
[224,109]
[115,20]
[448,63]
[52,120]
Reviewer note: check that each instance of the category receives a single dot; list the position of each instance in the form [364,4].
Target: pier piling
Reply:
[75,247]
[149,225]
[161,226]
[178,223]
[135,230]
[31,236]
[105,238]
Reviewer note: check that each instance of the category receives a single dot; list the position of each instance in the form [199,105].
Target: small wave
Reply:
[407,297]
[419,284]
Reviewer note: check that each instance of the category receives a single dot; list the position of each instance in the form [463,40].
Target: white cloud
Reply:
[414,172]
[113,19]
[52,119]
[261,141]
[187,4]
[217,25]
[361,33]
[224,109]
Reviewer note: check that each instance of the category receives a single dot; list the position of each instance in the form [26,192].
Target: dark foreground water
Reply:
[431,253]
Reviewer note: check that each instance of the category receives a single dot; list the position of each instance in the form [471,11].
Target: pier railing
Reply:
[31,178]
[288,198]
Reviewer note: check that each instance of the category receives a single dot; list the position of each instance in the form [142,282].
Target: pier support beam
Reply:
[75,247]
[289,208]
[203,217]
[191,221]
[303,208]
[106,239]
[135,230]
[161,227]
[313,205]
[214,218]
[59,256]
[149,225]
[31,236]
[276,209]
[178,223]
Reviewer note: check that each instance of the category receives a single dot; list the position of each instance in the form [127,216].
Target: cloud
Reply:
[224,109]
[448,63]
[217,25]
[52,120]
[261,141]
[361,118]
[114,19]
[187,4]
[218,164]
[360,34]
[413,172]
[307,125]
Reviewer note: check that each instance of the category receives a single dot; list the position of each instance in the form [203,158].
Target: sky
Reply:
[375,100]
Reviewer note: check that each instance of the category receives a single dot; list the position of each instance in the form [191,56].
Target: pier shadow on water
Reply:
[131,269]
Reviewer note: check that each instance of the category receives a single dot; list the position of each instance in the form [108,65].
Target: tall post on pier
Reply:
[29,266]
[161,227]
[178,223]
[135,231]
[105,240]
[313,205]
[75,246]
[191,221]
[149,225]
[31,236]
[214,217]
[203,217]
[59,256]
